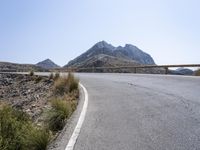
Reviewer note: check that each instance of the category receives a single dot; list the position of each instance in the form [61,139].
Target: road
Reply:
[140,112]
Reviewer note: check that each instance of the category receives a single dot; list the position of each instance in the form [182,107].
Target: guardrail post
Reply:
[166,70]
[135,70]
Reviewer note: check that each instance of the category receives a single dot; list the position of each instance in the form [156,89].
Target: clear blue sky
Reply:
[32,30]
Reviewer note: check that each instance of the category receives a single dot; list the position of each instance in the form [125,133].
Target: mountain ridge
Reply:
[16,67]
[129,53]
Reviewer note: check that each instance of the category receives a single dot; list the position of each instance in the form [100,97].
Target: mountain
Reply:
[182,71]
[47,64]
[14,67]
[103,54]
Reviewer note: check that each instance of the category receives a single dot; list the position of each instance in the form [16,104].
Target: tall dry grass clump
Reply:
[58,115]
[56,76]
[72,82]
[63,85]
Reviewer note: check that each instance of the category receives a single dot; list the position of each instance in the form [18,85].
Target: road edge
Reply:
[76,132]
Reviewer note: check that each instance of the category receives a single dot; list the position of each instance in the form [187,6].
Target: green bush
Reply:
[17,130]
[37,139]
[11,128]
[61,111]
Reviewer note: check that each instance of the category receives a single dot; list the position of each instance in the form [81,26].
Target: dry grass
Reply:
[56,76]
[63,85]
[72,82]
[63,104]
[58,115]
[60,86]
[51,76]
[197,72]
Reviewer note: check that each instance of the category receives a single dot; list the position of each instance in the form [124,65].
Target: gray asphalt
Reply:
[141,112]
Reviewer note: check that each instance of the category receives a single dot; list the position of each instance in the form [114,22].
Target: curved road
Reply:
[140,112]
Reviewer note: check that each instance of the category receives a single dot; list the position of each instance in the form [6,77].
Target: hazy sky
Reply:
[33,30]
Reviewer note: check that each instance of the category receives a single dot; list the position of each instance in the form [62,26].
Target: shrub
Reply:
[66,90]
[197,72]
[31,73]
[12,124]
[57,75]
[17,132]
[74,104]
[72,82]
[38,79]
[37,139]
[56,121]
[61,111]
[60,86]
[64,85]
[51,76]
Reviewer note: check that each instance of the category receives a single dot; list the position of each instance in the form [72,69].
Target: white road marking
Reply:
[73,139]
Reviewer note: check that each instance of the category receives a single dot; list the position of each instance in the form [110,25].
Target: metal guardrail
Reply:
[166,67]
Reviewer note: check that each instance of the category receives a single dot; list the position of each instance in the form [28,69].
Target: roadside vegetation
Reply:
[64,102]
[31,73]
[19,132]
[38,79]
[197,72]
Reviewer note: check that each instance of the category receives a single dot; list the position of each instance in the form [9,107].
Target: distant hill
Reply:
[47,64]
[103,54]
[182,71]
[14,67]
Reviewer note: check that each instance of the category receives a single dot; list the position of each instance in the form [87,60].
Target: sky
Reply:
[33,30]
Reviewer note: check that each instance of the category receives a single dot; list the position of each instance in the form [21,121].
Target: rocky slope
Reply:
[29,93]
[47,64]
[14,67]
[103,54]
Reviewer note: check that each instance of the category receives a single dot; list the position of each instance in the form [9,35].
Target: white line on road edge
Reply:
[72,140]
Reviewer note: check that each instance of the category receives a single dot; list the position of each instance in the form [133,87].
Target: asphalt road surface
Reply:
[140,112]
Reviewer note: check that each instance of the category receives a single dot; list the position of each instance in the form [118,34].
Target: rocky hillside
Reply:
[182,71]
[104,54]
[29,93]
[13,67]
[47,64]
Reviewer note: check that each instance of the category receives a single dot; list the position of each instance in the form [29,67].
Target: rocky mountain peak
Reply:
[47,64]
[130,46]
[102,49]
[103,44]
